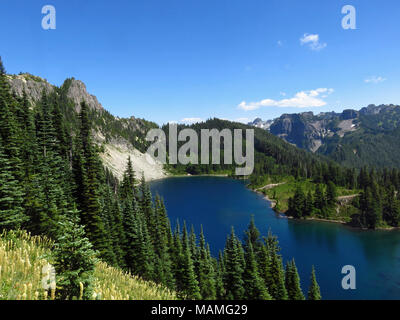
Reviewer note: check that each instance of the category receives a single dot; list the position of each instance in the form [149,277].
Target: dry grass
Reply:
[22,258]
[21,263]
[115,284]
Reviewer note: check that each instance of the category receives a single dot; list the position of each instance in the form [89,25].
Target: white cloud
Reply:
[280,43]
[374,79]
[312,40]
[302,99]
[191,120]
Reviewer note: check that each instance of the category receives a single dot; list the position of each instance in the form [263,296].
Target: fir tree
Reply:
[74,260]
[163,260]
[206,274]
[275,273]
[253,284]
[292,282]
[2,69]
[314,292]
[128,185]
[12,215]
[331,194]
[233,281]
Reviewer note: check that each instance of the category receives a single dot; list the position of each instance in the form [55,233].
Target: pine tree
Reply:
[183,269]
[117,233]
[74,260]
[131,231]
[12,215]
[309,205]
[331,194]
[128,185]
[252,235]
[146,207]
[87,173]
[275,273]
[371,210]
[297,204]
[314,292]
[2,69]
[206,274]
[219,281]
[292,282]
[163,260]
[391,208]
[233,281]
[320,202]
[253,284]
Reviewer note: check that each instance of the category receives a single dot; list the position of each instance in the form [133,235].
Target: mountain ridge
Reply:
[119,138]
[365,137]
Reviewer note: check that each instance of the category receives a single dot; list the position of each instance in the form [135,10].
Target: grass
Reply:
[22,258]
[283,192]
[286,190]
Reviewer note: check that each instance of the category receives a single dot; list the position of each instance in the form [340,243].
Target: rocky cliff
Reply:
[119,137]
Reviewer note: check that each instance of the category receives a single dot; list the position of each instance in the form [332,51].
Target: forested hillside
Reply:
[54,184]
[311,183]
[117,137]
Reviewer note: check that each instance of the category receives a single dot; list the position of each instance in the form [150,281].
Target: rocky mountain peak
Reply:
[34,87]
[77,92]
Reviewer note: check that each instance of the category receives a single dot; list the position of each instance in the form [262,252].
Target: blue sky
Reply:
[169,60]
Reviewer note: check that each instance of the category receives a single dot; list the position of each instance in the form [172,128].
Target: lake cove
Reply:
[218,203]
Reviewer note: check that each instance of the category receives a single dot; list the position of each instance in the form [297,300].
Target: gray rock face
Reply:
[32,85]
[310,131]
[259,123]
[77,93]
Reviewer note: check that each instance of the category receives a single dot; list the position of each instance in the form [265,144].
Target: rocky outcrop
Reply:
[76,91]
[309,131]
[115,156]
[116,148]
[259,123]
[33,86]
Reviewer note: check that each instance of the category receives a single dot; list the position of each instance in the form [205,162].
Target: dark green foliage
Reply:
[185,278]
[233,275]
[74,260]
[320,203]
[314,292]
[12,215]
[87,179]
[292,282]
[2,69]
[206,272]
[297,204]
[254,286]
[275,273]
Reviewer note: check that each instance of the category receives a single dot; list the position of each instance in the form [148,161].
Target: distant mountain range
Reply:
[366,137]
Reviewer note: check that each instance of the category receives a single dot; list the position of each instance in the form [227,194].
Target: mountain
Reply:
[354,138]
[259,123]
[119,138]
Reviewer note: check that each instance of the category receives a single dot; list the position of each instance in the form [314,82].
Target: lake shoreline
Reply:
[283,214]
[273,202]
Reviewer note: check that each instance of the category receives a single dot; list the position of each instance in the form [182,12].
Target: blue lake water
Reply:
[219,203]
